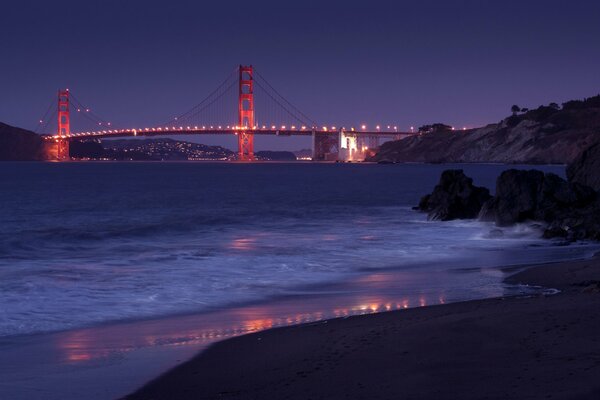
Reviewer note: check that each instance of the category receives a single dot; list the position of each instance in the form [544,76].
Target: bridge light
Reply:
[333,128]
[303,127]
[363,127]
[219,126]
[264,127]
[87,110]
[377,127]
[79,110]
[325,128]
[109,124]
[273,127]
[282,126]
[203,127]
[395,128]
[293,127]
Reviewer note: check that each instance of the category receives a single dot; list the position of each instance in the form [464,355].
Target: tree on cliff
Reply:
[434,128]
[515,109]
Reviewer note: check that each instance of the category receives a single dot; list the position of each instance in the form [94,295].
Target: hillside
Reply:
[547,135]
[18,144]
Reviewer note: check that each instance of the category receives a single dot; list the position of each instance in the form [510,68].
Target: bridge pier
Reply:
[62,152]
[325,146]
[246,113]
[64,125]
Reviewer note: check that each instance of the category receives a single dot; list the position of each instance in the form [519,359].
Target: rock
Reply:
[585,169]
[567,210]
[576,223]
[455,197]
[532,195]
[516,196]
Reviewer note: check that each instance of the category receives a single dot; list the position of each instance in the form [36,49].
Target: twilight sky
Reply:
[139,63]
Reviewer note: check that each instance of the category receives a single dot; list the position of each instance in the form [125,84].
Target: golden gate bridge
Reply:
[329,142]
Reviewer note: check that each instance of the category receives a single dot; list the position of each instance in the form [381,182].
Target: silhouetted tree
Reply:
[515,109]
[434,128]
[554,106]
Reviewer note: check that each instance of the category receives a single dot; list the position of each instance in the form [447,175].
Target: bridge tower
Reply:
[64,121]
[246,113]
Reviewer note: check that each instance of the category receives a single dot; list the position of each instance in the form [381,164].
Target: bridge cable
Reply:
[43,122]
[281,105]
[185,114]
[284,99]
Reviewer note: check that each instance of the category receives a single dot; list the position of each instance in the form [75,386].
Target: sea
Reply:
[84,244]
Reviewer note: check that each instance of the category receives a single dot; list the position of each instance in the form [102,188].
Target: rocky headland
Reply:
[566,208]
[18,144]
[547,135]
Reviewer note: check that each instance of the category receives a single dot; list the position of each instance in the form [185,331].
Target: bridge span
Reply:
[329,143]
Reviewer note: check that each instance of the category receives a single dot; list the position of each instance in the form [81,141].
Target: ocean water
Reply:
[90,243]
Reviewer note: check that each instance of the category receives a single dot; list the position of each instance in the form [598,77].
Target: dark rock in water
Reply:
[585,169]
[567,210]
[516,196]
[532,195]
[576,223]
[455,197]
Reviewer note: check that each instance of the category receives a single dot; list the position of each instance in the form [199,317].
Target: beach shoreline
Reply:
[535,346]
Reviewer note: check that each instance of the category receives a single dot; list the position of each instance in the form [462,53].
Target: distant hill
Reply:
[18,144]
[304,154]
[546,135]
[162,149]
[275,155]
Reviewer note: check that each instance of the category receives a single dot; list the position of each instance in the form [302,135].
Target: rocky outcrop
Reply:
[455,197]
[532,195]
[543,136]
[567,209]
[585,169]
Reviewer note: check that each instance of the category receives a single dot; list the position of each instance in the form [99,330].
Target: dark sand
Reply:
[542,347]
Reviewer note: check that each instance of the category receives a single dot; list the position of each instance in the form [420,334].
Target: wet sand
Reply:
[536,347]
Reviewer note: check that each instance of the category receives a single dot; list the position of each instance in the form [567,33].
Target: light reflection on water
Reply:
[367,294]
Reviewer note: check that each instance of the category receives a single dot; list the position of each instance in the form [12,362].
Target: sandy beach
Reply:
[533,347]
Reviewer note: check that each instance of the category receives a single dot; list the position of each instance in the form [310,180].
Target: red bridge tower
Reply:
[246,114]
[64,128]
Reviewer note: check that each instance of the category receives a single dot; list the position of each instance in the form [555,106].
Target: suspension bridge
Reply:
[214,115]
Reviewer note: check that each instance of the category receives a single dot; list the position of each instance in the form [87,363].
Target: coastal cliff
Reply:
[547,135]
[18,144]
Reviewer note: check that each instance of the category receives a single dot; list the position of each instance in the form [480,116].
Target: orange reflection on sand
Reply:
[78,346]
[86,345]
[258,325]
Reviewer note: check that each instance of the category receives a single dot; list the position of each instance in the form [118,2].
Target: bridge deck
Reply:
[302,131]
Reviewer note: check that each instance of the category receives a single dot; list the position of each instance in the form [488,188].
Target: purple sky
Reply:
[341,62]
